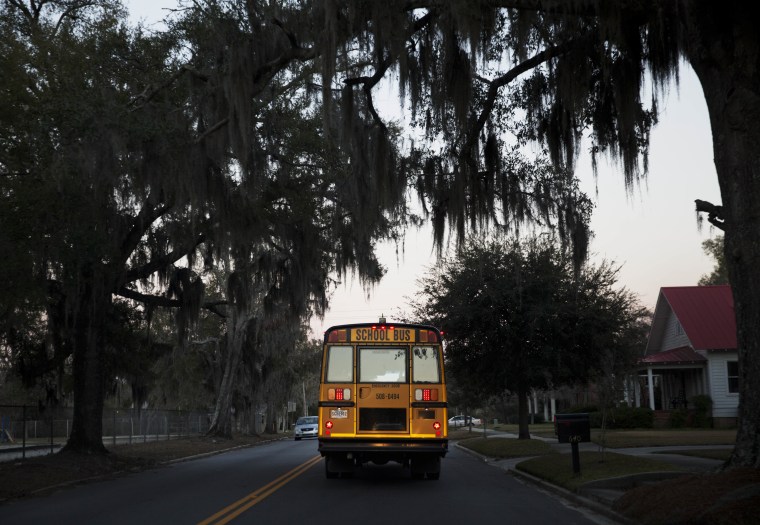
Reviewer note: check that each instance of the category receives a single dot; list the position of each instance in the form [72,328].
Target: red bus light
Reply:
[426,394]
[339,394]
[336,336]
[437,425]
[328,424]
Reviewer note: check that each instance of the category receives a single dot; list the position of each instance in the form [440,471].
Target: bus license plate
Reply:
[339,414]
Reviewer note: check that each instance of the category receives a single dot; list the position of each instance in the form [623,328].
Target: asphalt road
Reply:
[284,482]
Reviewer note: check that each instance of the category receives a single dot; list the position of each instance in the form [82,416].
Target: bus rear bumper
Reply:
[373,447]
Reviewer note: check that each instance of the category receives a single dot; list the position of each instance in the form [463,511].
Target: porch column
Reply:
[637,392]
[554,406]
[546,408]
[650,382]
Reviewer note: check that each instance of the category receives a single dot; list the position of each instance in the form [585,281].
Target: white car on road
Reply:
[462,421]
[306,427]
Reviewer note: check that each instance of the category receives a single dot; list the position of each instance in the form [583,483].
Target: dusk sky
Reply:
[652,232]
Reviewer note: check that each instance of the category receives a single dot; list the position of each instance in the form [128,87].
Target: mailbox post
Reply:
[573,429]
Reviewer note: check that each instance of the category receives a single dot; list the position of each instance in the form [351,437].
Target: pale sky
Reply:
[652,233]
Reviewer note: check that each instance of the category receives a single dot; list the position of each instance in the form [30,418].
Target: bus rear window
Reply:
[425,367]
[340,364]
[382,365]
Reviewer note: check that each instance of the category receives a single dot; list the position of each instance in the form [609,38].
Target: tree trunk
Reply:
[522,412]
[723,47]
[88,370]
[221,421]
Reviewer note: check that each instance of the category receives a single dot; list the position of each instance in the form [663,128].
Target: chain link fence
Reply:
[28,429]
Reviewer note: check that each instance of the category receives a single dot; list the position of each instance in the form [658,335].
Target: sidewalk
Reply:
[601,494]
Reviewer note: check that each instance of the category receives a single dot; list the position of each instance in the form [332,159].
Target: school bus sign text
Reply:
[383,335]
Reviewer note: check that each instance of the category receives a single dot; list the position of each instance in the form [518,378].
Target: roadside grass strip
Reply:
[503,448]
[558,470]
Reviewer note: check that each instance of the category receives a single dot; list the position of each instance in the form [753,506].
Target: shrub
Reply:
[678,418]
[702,411]
[625,417]
[583,408]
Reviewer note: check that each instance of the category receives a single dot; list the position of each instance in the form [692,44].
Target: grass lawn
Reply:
[663,437]
[558,469]
[722,453]
[645,437]
[495,447]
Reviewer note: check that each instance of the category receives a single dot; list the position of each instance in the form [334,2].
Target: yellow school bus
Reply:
[382,397]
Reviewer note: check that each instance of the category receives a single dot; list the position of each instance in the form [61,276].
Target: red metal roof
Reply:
[706,314]
[677,356]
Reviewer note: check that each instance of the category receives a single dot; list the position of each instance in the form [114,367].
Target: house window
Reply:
[732,369]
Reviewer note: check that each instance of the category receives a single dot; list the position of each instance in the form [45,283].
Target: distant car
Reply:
[463,421]
[306,427]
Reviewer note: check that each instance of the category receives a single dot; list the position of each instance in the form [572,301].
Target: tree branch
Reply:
[148,214]
[370,82]
[165,302]
[714,213]
[145,271]
[151,91]
[216,127]
[496,84]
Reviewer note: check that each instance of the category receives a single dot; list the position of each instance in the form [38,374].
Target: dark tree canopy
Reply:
[517,317]
[481,74]
[151,166]
[166,139]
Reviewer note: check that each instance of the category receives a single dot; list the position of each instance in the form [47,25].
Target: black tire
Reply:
[329,474]
[297,439]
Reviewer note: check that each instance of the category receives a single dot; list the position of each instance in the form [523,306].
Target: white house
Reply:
[692,350]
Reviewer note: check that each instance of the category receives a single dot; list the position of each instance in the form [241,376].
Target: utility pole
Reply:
[305,406]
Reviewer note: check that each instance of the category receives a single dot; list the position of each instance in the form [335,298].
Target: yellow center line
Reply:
[234,510]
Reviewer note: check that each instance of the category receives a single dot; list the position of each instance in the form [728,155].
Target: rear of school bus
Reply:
[382,398]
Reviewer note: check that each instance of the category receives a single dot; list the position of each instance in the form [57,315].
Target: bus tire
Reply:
[329,473]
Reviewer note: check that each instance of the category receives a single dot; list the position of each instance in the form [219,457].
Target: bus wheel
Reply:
[427,465]
[434,468]
[417,466]
[329,473]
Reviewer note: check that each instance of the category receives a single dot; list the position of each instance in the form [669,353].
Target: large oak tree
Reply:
[127,165]
[481,74]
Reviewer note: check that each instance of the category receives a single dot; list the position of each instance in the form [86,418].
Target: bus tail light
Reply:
[428,336]
[426,394]
[328,424]
[337,336]
[338,394]
[343,394]
[437,425]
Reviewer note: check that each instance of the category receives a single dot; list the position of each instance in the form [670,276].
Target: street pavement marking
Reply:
[234,510]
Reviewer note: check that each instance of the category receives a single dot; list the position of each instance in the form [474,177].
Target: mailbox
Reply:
[572,428]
